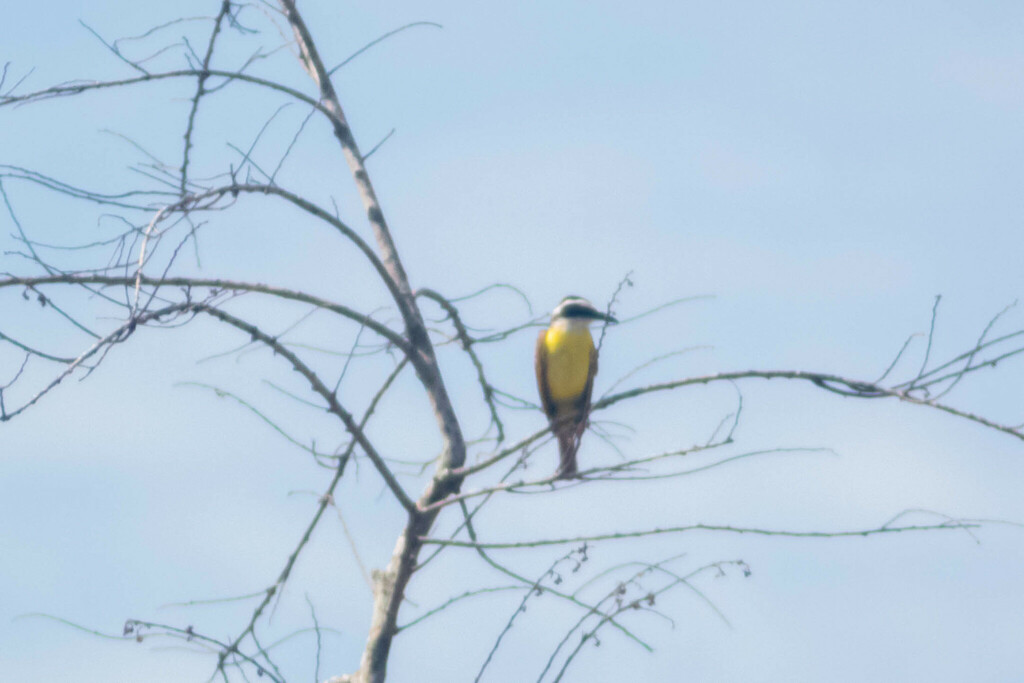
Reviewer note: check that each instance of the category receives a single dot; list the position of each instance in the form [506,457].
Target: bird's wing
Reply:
[541,368]
[583,405]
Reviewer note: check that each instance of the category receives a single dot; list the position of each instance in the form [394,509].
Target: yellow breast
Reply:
[568,361]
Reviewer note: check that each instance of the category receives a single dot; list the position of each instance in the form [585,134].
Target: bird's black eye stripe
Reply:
[579,311]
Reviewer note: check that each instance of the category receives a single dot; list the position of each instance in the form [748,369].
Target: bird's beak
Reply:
[608,319]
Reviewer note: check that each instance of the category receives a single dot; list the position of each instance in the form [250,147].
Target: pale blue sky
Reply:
[824,170]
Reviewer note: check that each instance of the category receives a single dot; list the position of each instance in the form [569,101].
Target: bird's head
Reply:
[575,310]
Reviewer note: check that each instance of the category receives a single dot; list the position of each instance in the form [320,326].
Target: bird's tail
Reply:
[568,443]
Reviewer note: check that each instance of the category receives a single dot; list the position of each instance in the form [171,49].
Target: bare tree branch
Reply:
[392,582]
[325,500]
[833,383]
[955,524]
[467,345]
[78,88]
[333,405]
[380,39]
[101,345]
[204,73]
[218,284]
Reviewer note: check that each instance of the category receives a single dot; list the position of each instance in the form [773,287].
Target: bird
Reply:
[566,362]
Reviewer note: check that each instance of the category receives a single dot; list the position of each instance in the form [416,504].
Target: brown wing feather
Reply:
[583,405]
[540,366]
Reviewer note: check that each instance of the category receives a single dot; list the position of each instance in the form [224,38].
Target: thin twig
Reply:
[380,39]
[753,531]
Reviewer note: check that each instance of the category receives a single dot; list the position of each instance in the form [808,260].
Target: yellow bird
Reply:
[566,362]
